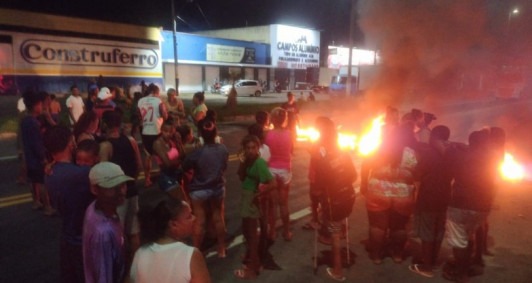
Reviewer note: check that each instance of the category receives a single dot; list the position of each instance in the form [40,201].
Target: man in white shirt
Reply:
[153,112]
[75,105]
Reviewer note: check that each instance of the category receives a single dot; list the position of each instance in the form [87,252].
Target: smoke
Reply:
[453,58]
[425,46]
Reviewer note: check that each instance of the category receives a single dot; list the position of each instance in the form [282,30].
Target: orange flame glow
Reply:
[347,141]
[510,169]
[370,141]
[307,134]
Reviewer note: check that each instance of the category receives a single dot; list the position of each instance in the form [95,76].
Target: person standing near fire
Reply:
[280,142]
[293,114]
[153,112]
[332,173]
[388,184]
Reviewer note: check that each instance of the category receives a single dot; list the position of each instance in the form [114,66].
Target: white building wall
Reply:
[211,74]
[248,73]
[189,78]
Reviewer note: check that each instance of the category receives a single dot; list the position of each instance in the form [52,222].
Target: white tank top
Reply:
[151,117]
[162,263]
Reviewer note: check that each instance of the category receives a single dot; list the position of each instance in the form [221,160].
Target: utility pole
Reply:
[349,82]
[176,73]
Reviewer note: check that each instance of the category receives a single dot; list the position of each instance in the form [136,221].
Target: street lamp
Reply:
[174,33]
[512,12]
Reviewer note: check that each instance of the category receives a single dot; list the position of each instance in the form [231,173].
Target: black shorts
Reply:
[36,175]
[147,142]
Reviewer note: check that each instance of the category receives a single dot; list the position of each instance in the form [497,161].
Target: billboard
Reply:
[339,57]
[294,48]
[45,55]
[53,63]
[198,49]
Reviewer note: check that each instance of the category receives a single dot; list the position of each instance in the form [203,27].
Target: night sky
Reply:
[429,44]
[331,17]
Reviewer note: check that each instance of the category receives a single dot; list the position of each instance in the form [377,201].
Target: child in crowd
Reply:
[87,153]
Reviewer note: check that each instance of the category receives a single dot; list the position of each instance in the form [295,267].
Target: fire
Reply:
[371,141]
[347,141]
[307,134]
[510,169]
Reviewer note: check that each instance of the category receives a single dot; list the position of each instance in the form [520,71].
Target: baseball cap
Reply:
[104,93]
[107,175]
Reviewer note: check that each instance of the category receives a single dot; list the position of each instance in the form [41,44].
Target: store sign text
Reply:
[57,53]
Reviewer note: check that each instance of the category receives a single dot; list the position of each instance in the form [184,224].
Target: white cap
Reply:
[104,93]
[107,175]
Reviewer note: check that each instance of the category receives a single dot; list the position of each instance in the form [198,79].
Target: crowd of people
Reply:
[87,171]
[447,187]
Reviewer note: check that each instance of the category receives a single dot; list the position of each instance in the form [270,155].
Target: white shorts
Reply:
[461,225]
[283,176]
[128,215]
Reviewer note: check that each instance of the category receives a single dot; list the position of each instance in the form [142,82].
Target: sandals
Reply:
[416,269]
[245,273]
[311,226]
[222,253]
[339,278]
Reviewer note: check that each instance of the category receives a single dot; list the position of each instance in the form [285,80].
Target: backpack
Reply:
[336,174]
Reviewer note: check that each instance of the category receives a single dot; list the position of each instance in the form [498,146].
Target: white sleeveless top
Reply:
[151,117]
[162,263]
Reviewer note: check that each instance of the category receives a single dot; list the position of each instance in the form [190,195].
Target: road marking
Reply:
[240,238]
[14,202]
[20,199]
[4,199]
[3,158]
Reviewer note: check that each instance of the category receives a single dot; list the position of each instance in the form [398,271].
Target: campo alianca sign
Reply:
[294,48]
[87,54]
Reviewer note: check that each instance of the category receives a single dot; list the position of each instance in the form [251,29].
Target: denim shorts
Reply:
[283,176]
[203,195]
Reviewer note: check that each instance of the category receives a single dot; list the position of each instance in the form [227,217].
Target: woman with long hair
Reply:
[86,127]
[279,140]
[207,187]
[165,223]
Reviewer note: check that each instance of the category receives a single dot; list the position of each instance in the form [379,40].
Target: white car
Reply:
[244,87]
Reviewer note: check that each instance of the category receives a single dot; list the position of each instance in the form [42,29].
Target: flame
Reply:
[371,141]
[510,169]
[307,134]
[347,141]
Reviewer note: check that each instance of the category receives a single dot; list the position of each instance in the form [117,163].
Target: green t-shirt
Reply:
[257,172]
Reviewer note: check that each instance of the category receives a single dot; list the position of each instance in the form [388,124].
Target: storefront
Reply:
[51,53]
[203,60]
[292,49]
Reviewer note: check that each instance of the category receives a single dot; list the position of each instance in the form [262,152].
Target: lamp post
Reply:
[174,33]
[512,12]
[352,21]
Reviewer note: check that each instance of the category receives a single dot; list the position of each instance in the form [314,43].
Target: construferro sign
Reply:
[230,54]
[87,54]
[294,48]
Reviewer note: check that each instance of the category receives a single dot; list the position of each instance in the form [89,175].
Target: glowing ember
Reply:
[347,141]
[307,134]
[510,169]
[371,141]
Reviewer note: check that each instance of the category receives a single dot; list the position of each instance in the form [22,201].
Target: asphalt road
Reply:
[29,240]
